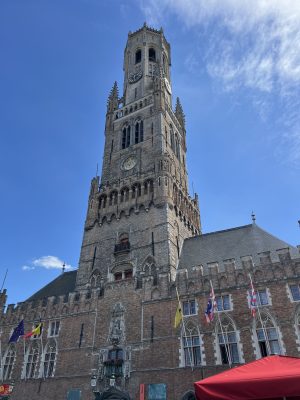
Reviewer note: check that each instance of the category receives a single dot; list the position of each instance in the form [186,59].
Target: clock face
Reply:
[135,76]
[129,163]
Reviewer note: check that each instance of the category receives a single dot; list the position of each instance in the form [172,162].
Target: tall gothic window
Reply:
[152,54]
[191,345]
[227,340]
[49,359]
[139,132]
[126,137]
[148,186]
[8,364]
[124,195]
[172,140]
[138,56]
[136,190]
[32,360]
[114,363]
[177,146]
[267,335]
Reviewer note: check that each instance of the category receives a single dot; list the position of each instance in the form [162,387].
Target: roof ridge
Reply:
[221,231]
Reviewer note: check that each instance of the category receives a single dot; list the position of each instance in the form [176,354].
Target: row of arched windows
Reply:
[151,55]
[136,191]
[184,205]
[228,346]
[133,107]
[38,362]
[138,134]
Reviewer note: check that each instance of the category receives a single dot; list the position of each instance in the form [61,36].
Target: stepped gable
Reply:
[63,284]
[234,243]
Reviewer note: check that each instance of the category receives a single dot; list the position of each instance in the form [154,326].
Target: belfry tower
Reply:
[139,211]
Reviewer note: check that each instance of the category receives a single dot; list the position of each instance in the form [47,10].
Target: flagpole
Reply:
[184,330]
[25,374]
[261,321]
[42,347]
[219,319]
[1,370]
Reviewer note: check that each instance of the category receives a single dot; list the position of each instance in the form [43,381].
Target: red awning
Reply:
[272,377]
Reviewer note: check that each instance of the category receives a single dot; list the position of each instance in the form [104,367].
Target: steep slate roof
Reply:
[247,240]
[63,284]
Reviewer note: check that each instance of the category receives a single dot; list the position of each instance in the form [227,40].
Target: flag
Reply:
[253,303]
[18,331]
[178,316]
[210,308]
[35,332]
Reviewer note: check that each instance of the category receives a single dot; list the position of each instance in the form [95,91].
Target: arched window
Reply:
[32,360]
[152,54]
[49,359]
[191,345]
[102,202]
[172,141]
[9,360]
[267,335]
[126,137]
[136,190]
[124,195]
[164,65]
[139,132]
[114,363]
[228,342]
[113,198]
[138,56]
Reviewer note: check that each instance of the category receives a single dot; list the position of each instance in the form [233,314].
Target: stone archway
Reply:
[190,395]
[112,394]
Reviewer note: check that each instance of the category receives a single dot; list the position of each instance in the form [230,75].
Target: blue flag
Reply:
[18,331]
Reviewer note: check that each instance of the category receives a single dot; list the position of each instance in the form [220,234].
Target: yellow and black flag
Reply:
[178,316]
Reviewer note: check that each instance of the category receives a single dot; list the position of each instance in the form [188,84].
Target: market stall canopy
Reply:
[273,377]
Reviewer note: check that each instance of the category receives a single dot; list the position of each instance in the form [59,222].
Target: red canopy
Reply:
[271,377]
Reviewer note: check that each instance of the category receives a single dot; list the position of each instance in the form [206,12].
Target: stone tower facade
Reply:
[139,211]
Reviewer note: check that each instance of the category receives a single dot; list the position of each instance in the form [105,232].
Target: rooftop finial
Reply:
[63,268]
[253,217]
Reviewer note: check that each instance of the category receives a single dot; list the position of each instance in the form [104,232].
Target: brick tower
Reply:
[139,211]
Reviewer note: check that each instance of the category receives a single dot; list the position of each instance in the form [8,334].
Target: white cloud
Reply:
[50,262]
[27,268]
[252,45]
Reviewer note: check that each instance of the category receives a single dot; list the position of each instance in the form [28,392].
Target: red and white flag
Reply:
[211,307]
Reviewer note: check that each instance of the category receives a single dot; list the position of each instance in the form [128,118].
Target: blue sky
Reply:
[236,69]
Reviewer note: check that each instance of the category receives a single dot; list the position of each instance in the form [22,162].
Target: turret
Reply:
[181,119]
[3,298]
[179,113]
[113,99]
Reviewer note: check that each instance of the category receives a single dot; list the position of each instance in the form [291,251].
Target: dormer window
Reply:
[138,56]
[152,55]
